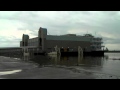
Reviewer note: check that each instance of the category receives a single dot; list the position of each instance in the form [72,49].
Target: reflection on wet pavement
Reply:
[9,72]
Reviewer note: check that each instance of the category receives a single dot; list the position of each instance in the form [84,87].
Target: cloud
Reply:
[104,23]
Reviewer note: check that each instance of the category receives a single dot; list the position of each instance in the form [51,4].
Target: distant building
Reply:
[71,41]
[24,41]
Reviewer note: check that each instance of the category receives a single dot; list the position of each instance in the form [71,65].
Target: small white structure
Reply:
[52,53]
[56,52]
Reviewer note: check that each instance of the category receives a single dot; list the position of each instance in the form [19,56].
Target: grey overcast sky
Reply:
[106,24]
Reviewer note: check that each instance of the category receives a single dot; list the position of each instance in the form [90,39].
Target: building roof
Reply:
[68,38]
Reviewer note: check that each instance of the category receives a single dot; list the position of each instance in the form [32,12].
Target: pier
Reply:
[21,51]
[34,50]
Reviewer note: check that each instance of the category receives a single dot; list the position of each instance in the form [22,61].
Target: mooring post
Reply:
[56,49]
[80,51]
[80,58]
[59,51]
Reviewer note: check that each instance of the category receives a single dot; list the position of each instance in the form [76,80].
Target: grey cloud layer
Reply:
[60,22]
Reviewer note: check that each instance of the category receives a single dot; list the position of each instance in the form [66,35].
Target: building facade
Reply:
[69,41]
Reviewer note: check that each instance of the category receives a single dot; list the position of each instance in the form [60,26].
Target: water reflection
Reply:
[93,64]
[106,57]
[68,61]
[26,58]
[54,60]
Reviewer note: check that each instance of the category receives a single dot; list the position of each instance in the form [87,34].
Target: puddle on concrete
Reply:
[9,72]
[17,58]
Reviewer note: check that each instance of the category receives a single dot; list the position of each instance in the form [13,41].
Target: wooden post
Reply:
[56,49]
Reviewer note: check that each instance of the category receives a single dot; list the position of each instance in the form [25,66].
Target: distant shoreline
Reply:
[112,51]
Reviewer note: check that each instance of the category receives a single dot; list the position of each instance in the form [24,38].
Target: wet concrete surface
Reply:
[13,68]
[31,71]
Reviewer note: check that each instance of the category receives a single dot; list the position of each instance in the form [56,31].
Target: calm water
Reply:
[105,65]
[34,66]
